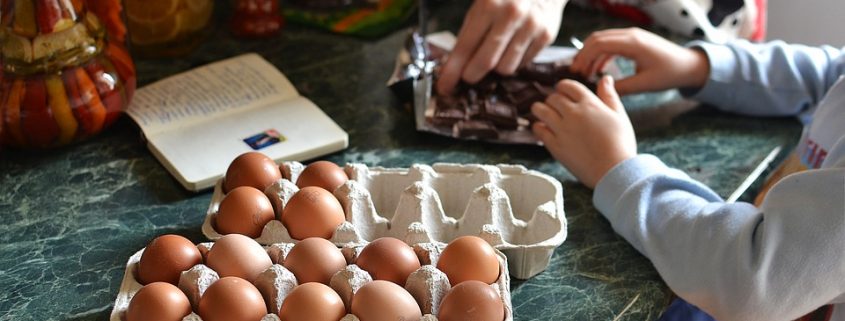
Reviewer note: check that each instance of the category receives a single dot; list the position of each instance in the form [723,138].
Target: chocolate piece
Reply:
[475,128]
[543,73]
[521,94]
[550,73]
[501,114]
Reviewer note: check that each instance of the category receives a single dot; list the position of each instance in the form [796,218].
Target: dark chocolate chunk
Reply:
[475,128]
[549,74]
[543,73]
[521,94]
[501,114]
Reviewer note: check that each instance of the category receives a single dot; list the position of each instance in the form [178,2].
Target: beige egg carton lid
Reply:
[518,211]
[427,284]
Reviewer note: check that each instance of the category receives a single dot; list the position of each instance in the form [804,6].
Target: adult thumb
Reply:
[607,93]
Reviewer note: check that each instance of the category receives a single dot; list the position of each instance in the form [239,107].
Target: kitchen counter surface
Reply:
[71,217]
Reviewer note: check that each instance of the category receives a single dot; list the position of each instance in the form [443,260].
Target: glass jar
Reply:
[167,28]
[64,73]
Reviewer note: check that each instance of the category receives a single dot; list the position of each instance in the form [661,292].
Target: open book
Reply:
[198,121]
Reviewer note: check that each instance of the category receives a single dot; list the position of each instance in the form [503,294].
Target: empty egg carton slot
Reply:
[519,211]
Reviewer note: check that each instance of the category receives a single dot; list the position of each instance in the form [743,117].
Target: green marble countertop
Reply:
[71,217]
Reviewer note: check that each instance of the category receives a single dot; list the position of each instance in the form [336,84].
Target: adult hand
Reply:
[660,63]
[500,35]
[586,133]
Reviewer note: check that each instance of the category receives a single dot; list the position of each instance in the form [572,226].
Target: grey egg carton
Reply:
[518,211]
[427,285]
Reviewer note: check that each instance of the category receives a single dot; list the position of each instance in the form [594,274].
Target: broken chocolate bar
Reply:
[498,102]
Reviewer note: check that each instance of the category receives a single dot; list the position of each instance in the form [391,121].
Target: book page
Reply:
[208,92]
[199,155]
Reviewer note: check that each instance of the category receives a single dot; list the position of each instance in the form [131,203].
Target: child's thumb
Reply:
[607,93]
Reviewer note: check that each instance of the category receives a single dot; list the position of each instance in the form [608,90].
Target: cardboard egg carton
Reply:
[427,285]
[518,211]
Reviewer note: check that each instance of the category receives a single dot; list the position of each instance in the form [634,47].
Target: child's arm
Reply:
[735,261]
[756,79]
[774,78]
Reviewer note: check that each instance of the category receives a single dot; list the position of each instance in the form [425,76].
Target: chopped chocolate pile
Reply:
[499,103]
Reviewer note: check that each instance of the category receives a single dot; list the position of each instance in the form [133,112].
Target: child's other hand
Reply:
[588,134]
[660,63]
[500,35]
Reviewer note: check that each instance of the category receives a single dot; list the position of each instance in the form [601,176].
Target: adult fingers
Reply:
[495,42]
[472,32]
[541,40]
[517,48]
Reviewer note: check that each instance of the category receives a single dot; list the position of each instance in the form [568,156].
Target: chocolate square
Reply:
[503,115]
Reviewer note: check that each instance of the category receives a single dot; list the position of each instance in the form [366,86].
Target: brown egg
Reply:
[312,302]
[472,300]
[158,301]
[244,210]
[238,255]
[384,301]
[251,169]
[469,258]
[314,260]
[312,212]
[232,299]
[323,174]
[388,259]
[165,258]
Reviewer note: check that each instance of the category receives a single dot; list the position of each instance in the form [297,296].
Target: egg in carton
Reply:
[519,211]
[427,285]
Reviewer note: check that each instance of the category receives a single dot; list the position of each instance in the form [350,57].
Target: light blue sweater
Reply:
[733,260]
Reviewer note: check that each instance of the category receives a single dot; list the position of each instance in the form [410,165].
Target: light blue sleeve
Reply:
[771,79]
[733,260]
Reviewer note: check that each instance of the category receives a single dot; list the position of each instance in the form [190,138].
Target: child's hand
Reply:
[660,63]
[588,134]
